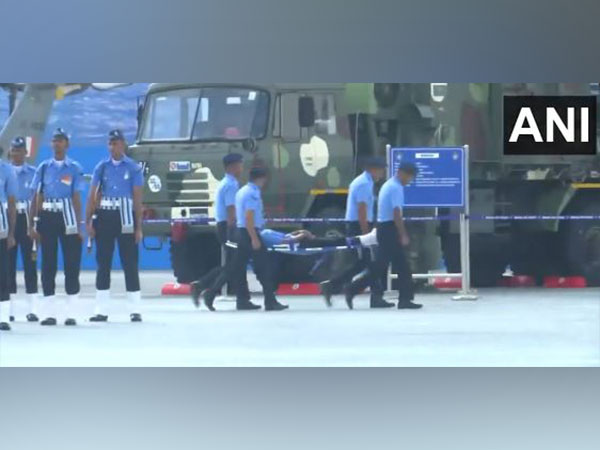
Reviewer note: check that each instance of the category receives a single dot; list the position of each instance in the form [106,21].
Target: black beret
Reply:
[116,135]
[408,167]
[376,162]
[18,142]
[60,133]
[258,172]
[232,158]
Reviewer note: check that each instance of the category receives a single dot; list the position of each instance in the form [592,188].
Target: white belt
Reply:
[64,206]
[22,207]
[125,207]
[111,203]
[53,205]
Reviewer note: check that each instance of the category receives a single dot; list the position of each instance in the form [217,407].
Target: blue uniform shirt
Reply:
[8,182]
[58,180]
[225,196]
[24,174]
[360,191]
[391,196]
[272,238]
[247,198]
[117,180]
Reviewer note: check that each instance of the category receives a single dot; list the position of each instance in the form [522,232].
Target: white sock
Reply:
[71,300]
[49,306]
[135,300]
[33,303]
[4,311]
[102,299]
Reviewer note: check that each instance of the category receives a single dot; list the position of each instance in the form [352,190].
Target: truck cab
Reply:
[311,138]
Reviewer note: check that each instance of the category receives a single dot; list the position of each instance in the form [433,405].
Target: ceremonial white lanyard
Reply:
[3,220]
[69,216]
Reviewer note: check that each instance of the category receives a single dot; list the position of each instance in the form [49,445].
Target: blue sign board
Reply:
[441,177]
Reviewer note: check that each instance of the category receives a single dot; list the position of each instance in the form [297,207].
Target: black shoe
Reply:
[50,321]
[32,318]
[4,326]
[349,296]
[196,293]
[246,305]
[326,292]
[70,322]
[209,299]
[378,302]
[408,305]
[99,318]
[275,306]
[135,317]
[11,318]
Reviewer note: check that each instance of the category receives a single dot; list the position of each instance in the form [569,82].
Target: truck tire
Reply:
[194,256]
[582,244]
[488,258]
[334,229]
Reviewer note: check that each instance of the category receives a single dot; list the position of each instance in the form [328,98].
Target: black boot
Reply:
[246,305]
[135,317]
[209,299]
[50,321]
[274,305]
[408,304]
[378,302]
[349,296]
[70,322]
[32,318]
[11,318]
[327,292]
[197,289]
[99,318]
[4,326]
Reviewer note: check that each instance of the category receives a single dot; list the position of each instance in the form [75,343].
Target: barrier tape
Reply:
[211,221]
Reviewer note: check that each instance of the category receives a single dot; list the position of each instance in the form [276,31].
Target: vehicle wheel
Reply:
[582,245]
[193,256]
[328,229]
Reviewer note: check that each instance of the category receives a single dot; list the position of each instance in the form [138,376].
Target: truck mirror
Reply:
[306,112]
[140,111]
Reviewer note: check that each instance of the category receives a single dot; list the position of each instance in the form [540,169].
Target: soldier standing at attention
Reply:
[56,209]
[360,211]
[116,199]
[250,221]
[8,191]
[392,236]
[24,173]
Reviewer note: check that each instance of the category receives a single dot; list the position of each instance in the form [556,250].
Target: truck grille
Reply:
[192,188]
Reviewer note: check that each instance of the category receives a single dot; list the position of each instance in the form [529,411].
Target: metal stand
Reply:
[465,293]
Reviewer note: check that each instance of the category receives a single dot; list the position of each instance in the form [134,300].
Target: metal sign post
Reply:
[444,183]
[465,293]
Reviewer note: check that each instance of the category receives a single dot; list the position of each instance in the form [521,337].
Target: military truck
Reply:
[313,138]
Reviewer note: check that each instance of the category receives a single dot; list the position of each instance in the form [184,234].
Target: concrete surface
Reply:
[505,327]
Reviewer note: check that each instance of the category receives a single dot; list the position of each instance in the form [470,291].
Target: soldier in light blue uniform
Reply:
[212,283]
[24,173]
[56,210]
[360,211]
[250,221]
[114,214]
[392,238]
[8,192]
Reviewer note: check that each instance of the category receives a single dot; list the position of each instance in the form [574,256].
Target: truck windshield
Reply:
[215,113]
